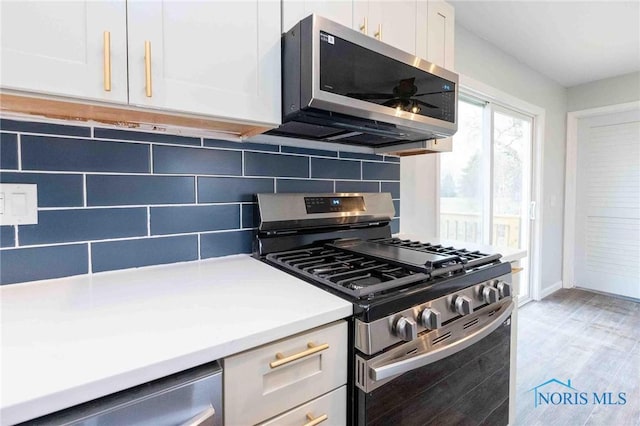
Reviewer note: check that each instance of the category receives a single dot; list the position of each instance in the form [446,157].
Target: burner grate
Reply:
[348,272]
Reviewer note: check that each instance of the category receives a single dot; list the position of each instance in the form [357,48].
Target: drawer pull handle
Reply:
[282,360]
[107,60]
[515,269]
[147,68]
[363,27]
[378,34]
[313,421]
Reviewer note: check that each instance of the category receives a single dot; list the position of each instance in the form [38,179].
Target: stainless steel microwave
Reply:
[342,86]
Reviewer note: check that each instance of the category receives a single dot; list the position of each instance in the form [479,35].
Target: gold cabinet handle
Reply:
[313,421]
[363,27]
[378,34]
[515,269]
[282,360]
[147,67]
[106,36]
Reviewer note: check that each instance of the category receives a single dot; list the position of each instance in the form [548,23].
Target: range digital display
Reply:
[334,204]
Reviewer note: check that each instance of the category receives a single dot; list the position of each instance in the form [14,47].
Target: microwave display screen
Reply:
[356,72]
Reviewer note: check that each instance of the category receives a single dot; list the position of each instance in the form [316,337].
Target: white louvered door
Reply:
[608,204]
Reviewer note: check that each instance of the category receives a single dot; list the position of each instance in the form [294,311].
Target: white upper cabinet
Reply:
[72,48]
[340,11]
[392,22]
[435,35]
[217,58]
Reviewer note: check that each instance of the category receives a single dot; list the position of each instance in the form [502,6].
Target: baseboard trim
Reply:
[549,290]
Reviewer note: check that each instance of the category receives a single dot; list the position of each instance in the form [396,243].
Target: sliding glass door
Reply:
[461,178]
[485,183]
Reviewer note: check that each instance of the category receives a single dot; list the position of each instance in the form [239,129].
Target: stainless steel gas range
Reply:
[430,334]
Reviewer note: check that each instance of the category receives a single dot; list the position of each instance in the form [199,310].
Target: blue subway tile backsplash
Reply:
[250,216]
[62,226]
[380,171]
[361,156]
[177,160]
[107,256]
[43,128]
[281,165]
[391,187]
[356,186]
[50,153]
[301,185]
[309,151]
[129,135]
[183,219]
[125,198]
[54,190]
[223,189]
[334,169]
[7,236]
[8,151]
[216,143]
[225,243]
[115,190]
[39,263]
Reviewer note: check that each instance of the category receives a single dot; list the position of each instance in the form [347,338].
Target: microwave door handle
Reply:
[399,367]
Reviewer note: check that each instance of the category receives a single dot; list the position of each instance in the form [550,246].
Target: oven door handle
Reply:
[396,368]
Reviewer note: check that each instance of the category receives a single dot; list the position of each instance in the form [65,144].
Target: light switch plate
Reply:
[18,204]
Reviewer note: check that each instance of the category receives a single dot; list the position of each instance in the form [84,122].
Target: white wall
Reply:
[610,91]
[483,62]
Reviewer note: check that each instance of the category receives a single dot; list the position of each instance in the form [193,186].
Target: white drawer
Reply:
[255,391]
[332,405]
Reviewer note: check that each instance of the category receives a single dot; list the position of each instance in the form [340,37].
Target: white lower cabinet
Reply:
[272,379]
[330,408]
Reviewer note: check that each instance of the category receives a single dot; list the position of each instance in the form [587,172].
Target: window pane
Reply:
[461,183]
[511,146]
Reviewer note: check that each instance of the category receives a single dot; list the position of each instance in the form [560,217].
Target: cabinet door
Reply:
[340,11]
[394,22]
[58,48]
[440,33]
[216,58]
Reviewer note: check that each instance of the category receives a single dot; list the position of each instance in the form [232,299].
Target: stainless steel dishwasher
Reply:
[189,398]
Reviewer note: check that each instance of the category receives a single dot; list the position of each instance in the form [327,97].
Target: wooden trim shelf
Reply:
[124,116]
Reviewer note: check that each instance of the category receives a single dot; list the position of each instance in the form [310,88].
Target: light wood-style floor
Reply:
[588,338]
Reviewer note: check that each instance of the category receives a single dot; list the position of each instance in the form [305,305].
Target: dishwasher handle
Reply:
[399,367]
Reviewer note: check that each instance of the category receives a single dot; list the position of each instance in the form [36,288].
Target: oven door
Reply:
[458,374]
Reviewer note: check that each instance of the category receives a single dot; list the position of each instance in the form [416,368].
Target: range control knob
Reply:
[430,319]
[504,289]
[490,294]
[406,329]
[462,305]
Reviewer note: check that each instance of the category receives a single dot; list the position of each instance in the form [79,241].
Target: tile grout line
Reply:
[148,221]
[19,147]
[84,191]
[89,258]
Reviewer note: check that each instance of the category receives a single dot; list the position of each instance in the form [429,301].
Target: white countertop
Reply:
[69,340]
[508,254]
